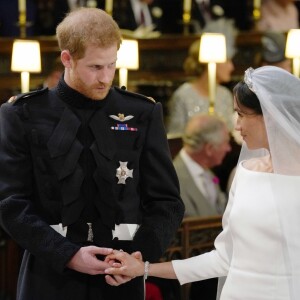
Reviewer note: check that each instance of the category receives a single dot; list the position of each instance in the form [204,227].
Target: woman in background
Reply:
[193,97]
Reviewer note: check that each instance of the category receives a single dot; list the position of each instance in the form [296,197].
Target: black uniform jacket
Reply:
[61,163]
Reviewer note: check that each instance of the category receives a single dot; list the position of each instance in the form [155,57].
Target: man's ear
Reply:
[208,149]
[66,58]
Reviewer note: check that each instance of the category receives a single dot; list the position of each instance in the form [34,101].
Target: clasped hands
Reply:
[119,266]
[123,267]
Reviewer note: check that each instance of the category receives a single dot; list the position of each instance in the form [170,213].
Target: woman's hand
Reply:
[124,267]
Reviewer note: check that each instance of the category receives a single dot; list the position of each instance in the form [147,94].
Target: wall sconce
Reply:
[26,57]
[212,50]
[128,59]
[292,49]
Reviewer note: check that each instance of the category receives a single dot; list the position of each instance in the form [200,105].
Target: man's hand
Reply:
[118,268]
[86,261]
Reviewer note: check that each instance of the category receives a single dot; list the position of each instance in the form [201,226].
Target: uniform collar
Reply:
[76,99]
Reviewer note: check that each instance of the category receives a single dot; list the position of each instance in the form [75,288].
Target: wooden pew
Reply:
[196,235]
[175,144]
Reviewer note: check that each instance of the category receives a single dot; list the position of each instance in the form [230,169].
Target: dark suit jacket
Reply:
[239,11]
[49,15]
[236,10]
[9,18]
[124,16]
[42,182]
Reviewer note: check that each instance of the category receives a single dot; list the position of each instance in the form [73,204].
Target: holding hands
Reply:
[123,267]
[120,266]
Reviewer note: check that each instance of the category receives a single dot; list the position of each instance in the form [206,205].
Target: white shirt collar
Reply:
[196,171]
[137,6]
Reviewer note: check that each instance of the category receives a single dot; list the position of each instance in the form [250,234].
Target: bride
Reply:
[258,250]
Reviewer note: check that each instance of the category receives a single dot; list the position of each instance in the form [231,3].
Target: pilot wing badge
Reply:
[121,117]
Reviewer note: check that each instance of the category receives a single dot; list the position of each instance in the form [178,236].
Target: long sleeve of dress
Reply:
[211,264]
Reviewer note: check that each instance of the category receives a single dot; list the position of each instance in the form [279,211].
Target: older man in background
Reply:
[205,144]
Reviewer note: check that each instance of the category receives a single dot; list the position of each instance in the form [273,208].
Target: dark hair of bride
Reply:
[246,98]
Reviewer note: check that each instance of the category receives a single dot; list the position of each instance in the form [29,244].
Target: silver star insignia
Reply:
[123,172]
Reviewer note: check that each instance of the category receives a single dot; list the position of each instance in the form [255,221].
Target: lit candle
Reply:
[256,3]
[108,6]
[256,11]
[22,5]
[187,4]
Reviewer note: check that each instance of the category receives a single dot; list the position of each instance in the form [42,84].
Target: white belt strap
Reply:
[60,229]
[123,232]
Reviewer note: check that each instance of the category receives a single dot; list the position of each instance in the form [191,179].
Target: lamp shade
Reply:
[212,48]
[128,55]
[292,49]
[26,56]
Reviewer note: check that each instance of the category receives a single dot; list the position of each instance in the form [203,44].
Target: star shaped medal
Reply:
[123,172]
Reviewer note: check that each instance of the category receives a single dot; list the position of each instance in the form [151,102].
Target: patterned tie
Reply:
[142,17]
[205,10]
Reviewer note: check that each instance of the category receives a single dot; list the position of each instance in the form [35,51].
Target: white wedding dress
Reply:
[251,250]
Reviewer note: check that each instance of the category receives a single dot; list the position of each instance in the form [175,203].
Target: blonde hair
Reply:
[87,26]
[191,65]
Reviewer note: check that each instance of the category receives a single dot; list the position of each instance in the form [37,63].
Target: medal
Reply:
[123,127]
[123,172]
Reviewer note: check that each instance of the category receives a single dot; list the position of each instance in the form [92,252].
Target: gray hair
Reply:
[202,129]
